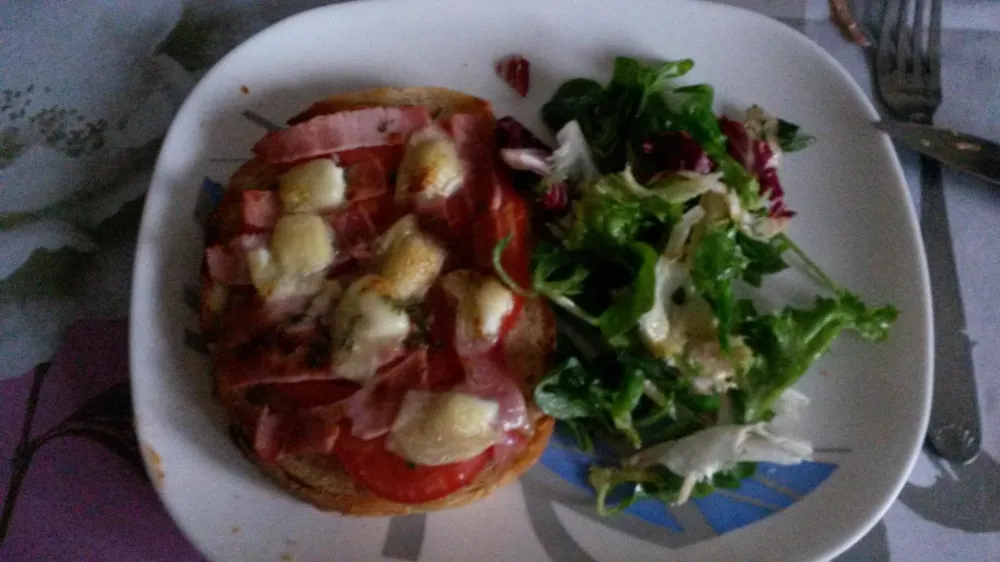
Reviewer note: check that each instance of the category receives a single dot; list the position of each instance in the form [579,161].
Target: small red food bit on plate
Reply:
[515,70]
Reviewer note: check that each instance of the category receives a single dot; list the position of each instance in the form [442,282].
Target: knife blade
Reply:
[971,154]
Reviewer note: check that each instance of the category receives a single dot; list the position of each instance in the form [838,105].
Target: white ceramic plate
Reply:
[870,403]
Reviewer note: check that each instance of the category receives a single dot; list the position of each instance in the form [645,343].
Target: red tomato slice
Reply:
[393,478]
[507,215]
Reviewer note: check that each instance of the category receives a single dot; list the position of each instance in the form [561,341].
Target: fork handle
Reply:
[954,432]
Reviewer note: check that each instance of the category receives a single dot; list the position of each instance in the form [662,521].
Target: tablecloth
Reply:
[87,90]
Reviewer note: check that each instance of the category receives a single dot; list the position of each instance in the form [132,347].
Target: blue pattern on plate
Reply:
[724,510]
[214,190]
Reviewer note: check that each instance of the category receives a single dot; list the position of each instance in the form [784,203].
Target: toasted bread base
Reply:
[436,100]
[528,347]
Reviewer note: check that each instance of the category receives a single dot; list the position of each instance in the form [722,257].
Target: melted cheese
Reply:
[398,231]
[273,282]
[315,186]
[410,260]
[483,304]
[302,244]
[368,328]
[441,428]
[431,168]
[301,249]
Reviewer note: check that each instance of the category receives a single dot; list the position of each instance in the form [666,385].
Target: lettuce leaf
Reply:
[764,257]
[791,138]
[718,262]
[571,392]
[637,298]
[629,106]
[608,394]
[611,214]
[786,343]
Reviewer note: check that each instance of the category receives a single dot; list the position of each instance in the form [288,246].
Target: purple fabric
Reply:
[83,496]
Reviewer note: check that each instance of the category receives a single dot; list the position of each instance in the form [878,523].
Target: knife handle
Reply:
[954,432]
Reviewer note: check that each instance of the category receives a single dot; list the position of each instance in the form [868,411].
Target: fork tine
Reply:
[902,36]
[885,43]
[934,45]
[918,40]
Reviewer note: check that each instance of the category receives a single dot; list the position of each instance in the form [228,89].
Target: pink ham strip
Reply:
[307,431]
[346,130]
[227,262]
[508,447]
[313,431]
[222,265]
[352,226]
[373,408]
[366,180]
[267,436]
[271,367]
[486,379]
[260,209]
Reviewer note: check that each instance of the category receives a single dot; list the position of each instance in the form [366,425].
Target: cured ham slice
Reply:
[226,263]
[312,431]
[346,130]
[268,436]
[299,432]
[373,408]
[248,211]
[487,378]
[366,179]
[270,367]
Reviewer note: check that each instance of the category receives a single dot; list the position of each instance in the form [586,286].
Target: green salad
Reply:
[658,221]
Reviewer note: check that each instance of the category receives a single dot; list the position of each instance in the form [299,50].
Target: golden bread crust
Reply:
[434,99]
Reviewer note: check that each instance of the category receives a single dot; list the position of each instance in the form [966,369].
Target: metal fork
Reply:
[908,81]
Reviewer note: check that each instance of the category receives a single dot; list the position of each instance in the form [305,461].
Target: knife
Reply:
[966,153]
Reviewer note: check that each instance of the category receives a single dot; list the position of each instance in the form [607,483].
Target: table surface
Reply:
[85,98]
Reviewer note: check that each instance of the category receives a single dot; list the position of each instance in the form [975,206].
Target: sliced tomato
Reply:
[394,478]
[506,215]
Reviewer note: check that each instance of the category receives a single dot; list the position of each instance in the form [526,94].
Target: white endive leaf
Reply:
[700,455]
[528,159]
[572,160]
[790,404]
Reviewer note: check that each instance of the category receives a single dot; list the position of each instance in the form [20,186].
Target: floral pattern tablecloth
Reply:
[87,90]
